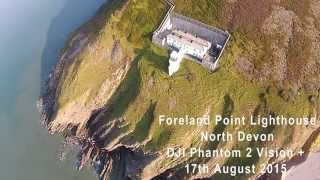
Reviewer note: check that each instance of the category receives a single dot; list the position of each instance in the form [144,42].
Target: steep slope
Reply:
[111,84]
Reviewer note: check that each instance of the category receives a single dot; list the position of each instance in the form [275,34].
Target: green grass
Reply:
[208,11]
[147,91]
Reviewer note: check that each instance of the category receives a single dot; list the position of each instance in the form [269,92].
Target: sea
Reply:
[32,34]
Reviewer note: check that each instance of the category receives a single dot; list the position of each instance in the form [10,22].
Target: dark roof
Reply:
[199,29]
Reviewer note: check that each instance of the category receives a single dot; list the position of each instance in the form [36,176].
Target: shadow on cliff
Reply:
[102,125]
[228,108]
[262,109]
[179,172]
[118,103]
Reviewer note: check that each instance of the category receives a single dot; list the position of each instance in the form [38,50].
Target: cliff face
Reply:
[111,84]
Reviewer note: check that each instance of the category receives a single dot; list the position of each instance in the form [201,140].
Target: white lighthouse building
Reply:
[185,43]
[190,39]
[175,61]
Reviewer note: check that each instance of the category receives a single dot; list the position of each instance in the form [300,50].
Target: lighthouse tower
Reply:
[175,61]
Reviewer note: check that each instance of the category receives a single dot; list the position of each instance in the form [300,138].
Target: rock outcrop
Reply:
[110,85]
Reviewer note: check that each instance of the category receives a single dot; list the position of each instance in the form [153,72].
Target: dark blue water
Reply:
[32,32]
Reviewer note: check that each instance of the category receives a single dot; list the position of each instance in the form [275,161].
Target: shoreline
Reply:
[103,160]
[91,152]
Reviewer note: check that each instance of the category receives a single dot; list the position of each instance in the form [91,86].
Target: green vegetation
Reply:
[90,68]
[140,20]
[147,91]
[208,11]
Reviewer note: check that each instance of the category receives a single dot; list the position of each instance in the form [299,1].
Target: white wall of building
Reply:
[197,51]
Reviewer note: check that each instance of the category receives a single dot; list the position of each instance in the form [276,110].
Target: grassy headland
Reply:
[146,91]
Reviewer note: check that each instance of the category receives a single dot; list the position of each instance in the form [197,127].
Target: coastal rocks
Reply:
[116,52]
[106,136]
[75,112]
[119,163]
[76,45]
[79,110]
[47,102]
[69,115]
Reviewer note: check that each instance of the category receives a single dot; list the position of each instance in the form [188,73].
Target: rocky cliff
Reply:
[111,84]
